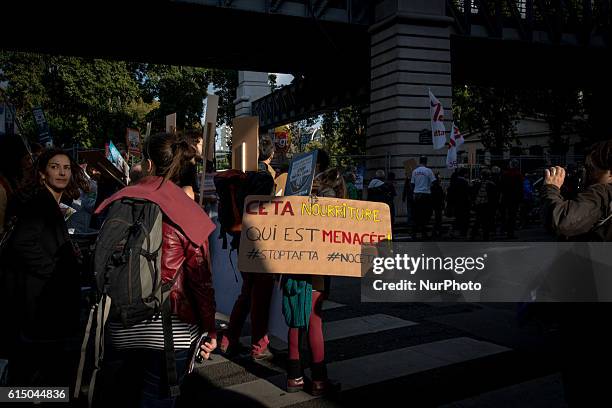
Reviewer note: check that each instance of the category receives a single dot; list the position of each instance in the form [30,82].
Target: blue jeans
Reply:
[138,378]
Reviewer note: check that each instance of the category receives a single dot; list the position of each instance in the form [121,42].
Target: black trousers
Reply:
[423,208]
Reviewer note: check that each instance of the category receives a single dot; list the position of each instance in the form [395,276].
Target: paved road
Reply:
[418,354]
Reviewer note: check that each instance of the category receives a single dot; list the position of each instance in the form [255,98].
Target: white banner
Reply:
[438,131]
[456,140]
[451,157]
[456,137]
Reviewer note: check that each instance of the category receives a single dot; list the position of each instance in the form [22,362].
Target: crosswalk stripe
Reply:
[374,368]
[357,326]
[329,305]
[341,329]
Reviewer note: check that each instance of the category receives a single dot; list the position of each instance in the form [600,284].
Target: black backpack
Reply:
[233,186]
[127,265]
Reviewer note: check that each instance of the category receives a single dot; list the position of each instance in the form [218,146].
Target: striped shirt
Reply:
[150,334]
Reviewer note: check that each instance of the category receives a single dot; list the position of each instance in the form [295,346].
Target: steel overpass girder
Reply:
[306,98]
[556,18]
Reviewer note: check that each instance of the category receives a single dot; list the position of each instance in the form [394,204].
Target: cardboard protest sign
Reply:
[280,181]
[301,174]
[171,123]
[97,159]
[281,138]
[44,136]
[314,236]
[208,190]
[115,157]
[210,124]
[132,141]
[245,143]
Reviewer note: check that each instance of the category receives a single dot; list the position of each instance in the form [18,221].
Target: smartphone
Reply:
[196,357]
[205,339]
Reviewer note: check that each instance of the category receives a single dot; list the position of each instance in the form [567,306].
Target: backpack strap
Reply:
[102,311]
[170,358]
[171,374]
[79,379]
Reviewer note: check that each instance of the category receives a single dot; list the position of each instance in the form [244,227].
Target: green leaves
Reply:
[344,132]
[183,90]
[90,101]
[493,113]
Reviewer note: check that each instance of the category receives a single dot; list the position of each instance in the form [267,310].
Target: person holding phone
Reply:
[585,341]
[587,217]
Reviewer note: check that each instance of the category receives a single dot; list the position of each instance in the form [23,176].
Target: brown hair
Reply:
[599,159]
[193,136]
[266,148]
[170,153]
[77,182]
[332,178]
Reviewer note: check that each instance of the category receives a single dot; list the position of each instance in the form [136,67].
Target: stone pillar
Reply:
[251,86]
[409,54]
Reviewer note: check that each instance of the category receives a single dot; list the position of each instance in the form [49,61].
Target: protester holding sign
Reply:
[303,237]
[256,291]
[303,300]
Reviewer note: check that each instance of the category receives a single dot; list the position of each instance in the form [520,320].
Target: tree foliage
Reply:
[91,101]
[493,112]
[344,132]
[85,100]
[297,130]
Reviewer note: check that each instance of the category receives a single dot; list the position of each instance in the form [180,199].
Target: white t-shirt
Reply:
[422,177]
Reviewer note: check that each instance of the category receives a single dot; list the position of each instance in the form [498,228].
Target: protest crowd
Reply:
[49,202]
[55,213]
[493,206]
[477,208]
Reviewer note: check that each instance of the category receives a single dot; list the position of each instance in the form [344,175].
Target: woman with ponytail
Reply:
[184,260]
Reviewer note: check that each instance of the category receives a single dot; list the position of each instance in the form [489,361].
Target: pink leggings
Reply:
[315,332]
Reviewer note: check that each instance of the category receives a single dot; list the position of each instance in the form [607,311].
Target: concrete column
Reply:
[251,86]
[409,54]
